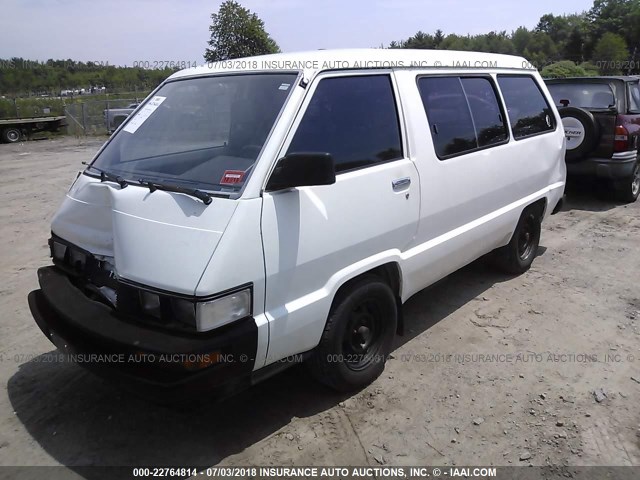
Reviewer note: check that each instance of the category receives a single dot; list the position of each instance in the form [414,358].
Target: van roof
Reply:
[313,62]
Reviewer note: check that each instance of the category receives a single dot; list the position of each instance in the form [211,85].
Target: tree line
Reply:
[19,76]
[603,40]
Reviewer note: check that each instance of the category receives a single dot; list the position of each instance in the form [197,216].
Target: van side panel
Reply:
[317,238]
[470,204]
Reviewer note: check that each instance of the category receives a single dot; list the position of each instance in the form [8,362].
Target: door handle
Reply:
[401,184]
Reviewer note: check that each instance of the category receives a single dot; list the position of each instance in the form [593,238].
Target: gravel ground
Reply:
[540,369]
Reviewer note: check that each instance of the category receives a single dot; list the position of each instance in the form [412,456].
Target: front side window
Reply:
[352,118]
[463,112]
[529,112]
[204,133]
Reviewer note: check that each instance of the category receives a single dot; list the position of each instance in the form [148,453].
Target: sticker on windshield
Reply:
[231,177]
[284,86]
[140,117]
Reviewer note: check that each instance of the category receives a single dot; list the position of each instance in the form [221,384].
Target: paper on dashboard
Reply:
[141,117]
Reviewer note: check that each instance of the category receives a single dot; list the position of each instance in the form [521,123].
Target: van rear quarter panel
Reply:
[470,204]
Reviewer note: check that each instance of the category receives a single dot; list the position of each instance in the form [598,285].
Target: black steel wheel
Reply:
[517,256]
[358,335]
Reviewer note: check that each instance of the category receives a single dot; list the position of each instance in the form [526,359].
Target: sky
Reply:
[121,32]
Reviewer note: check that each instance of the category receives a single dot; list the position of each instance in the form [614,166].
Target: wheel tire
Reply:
[581,131]
[11,135]
[627,190]
[358,336]
[517,256]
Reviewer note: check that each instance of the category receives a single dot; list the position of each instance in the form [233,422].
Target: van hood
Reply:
[160,239]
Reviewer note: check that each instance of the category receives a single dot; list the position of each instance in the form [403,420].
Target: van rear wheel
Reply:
[358,336]
[517,256]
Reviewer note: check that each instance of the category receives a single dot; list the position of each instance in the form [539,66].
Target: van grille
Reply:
[97,281]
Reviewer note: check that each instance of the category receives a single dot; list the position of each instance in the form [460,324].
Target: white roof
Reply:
[315,61]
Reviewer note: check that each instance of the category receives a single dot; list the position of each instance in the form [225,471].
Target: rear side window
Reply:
[529,112]
[463,112]
[354,119]
[485,111]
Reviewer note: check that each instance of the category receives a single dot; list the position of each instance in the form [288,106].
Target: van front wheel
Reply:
[517,256]
[358,336]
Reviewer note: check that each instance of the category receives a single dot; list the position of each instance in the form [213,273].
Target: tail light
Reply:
[621,139]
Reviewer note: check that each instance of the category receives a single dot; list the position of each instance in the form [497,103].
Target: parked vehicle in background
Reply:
[14,129]
[114,117]
[244,219]
[601,117]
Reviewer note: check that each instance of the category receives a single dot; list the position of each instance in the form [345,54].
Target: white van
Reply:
[263,211]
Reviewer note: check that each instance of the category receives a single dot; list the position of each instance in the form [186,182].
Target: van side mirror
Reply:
[302,170]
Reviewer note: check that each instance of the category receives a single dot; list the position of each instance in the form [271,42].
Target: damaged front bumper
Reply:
[163,365]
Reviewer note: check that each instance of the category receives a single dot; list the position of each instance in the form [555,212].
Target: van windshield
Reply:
[204,133]
[582,94]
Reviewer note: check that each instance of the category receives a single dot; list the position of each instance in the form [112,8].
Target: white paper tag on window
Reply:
[140,117]
[284,86]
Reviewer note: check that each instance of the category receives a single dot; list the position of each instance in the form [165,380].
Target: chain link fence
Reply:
[98,117]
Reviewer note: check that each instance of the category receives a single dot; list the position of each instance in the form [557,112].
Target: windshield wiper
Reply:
[193,192]
[104,175]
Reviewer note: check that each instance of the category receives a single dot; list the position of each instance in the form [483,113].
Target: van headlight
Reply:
[201,316]
[223,310]
[214,313]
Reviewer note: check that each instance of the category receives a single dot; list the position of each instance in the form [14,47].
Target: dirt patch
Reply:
[492,369]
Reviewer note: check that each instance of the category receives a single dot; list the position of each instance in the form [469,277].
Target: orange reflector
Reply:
[202,360]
